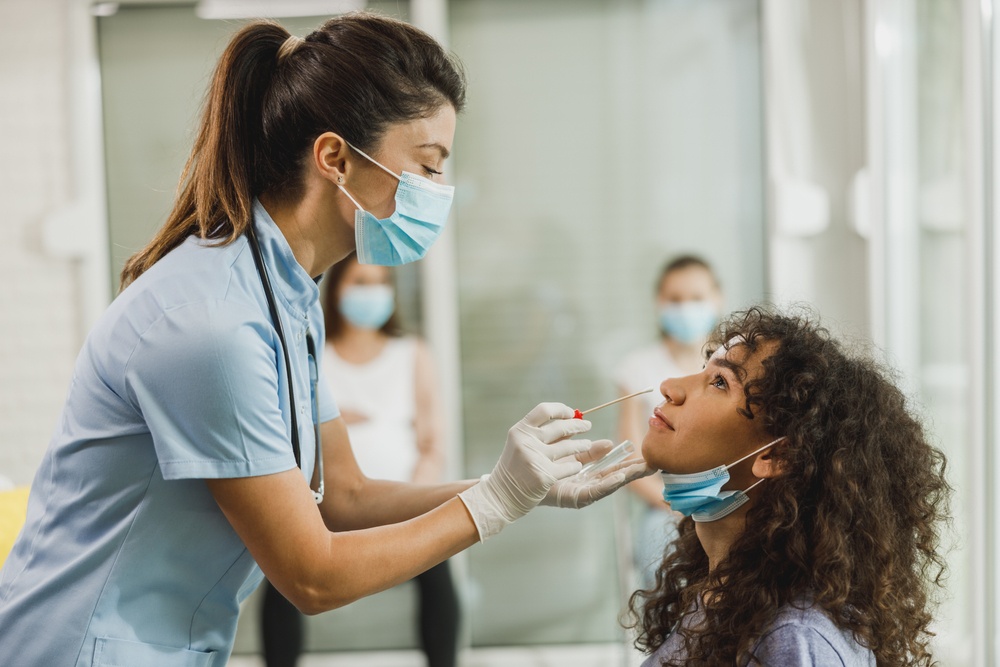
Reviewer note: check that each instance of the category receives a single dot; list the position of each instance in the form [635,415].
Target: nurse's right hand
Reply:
[535,457]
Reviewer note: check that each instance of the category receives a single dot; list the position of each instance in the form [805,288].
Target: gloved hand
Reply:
[576,491]
[533,459]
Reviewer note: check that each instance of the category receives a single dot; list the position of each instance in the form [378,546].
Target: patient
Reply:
[830,556]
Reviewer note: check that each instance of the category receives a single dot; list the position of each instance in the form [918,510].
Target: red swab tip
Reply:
[577,414]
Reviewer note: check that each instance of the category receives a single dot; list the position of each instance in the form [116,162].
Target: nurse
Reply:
[198,445]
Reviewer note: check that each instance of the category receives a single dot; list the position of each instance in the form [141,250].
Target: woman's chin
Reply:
[649,451]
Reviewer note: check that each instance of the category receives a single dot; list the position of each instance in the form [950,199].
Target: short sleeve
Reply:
[204,377]
[796,645]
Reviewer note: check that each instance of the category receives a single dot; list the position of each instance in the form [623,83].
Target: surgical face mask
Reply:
[422,208]
[700,495]
[688,321]
[367,306]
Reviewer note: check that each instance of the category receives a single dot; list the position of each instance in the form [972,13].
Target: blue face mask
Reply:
[699,495]
[367,306]
[422,208]
[688,321]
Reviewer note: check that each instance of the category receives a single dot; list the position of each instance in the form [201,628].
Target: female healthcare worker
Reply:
[187,453]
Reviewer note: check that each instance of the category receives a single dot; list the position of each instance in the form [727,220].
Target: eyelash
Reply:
[431,172]
[717,379]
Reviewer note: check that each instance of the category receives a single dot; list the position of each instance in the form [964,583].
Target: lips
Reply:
[659,415]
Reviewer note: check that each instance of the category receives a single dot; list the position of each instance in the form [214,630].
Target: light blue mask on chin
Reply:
[422,208]
[699,495]
[367,306]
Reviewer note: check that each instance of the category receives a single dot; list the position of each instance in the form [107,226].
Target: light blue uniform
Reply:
[125,558]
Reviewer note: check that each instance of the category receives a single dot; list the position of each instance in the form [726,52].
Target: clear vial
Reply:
[618,454]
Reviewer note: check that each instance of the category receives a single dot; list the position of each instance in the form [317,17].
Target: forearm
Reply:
[317,569]
[379,502]
[364,562]
[354,502]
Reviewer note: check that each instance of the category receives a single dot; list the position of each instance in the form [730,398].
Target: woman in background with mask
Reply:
[688,304]
[198,446]
[384,384]
[813,502]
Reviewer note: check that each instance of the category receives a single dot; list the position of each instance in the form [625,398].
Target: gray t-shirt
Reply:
[798,637]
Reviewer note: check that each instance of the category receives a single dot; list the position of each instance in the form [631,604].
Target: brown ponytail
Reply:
[355,75]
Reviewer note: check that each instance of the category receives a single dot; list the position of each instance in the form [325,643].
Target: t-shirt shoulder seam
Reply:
[232,271]
[810,629]
[173,309]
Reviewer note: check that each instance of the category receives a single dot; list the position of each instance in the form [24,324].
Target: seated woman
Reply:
[812,501]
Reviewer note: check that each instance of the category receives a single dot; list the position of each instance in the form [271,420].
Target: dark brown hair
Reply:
[355,75]
[852,524]
[332,319]
[684,262]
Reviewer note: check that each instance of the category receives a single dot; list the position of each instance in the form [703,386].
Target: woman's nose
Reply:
[672,391]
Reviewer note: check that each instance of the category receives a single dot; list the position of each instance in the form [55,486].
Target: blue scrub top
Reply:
[125,558]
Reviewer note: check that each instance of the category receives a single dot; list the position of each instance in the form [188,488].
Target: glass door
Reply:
[601,138]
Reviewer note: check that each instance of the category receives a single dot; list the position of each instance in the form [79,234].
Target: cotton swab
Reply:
[577,414]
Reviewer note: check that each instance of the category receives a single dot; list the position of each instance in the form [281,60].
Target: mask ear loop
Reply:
[353,200]
[756,451]
[770,444]
[373,161]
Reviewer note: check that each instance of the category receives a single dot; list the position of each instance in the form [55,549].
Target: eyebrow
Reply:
[735,368]
[444,151]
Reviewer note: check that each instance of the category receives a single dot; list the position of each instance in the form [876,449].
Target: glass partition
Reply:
[943,224]
[930,269]
[601,138]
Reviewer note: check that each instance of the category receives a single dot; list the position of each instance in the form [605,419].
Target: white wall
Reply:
[40,314]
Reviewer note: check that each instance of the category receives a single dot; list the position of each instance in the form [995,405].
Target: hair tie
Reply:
[288,47]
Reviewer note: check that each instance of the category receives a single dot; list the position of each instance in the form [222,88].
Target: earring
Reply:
[340,179]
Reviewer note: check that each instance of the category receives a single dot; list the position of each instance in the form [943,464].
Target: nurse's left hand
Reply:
[578,491]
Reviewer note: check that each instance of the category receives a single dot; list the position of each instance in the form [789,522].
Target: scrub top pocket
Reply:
[123,653]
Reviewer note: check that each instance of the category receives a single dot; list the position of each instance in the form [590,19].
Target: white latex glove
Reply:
[533,459]
[575,491]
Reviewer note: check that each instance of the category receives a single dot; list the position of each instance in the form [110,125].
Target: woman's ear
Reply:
[766,465]
[329,156]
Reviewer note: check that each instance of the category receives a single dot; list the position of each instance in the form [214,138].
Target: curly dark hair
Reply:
[852,524]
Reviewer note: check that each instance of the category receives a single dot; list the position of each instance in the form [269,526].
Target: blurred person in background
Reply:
[384,384]
[688,302]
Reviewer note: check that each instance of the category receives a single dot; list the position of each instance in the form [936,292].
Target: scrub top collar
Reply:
[292,285]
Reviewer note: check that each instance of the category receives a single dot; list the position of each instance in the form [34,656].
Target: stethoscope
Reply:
[258,260]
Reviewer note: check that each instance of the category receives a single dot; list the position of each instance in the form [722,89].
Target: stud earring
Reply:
[340,179]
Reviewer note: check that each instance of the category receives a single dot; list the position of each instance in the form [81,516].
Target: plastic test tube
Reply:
[618,454]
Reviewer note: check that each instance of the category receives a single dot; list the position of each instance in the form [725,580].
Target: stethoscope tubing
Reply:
[272,306]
